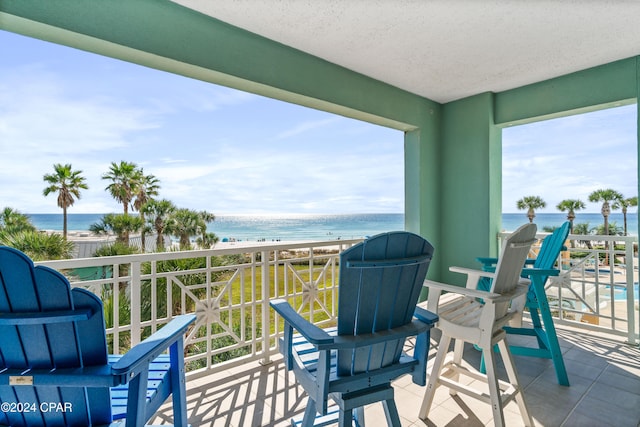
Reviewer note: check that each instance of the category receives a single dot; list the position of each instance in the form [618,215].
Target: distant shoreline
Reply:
[308,227]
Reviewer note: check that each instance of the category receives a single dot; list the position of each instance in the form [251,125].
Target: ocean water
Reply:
[263,227]
[325,227]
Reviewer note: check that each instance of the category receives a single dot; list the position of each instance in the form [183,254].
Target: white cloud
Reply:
[306,126]
[42,124]
[211,147]
[570,157]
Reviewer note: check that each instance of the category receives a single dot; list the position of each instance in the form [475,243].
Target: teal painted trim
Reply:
[166,36]
[608,85]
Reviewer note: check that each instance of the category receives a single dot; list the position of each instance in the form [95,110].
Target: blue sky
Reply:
[231,152]
[570,157]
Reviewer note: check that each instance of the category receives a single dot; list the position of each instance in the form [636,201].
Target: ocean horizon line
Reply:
[313,226]
[320,213]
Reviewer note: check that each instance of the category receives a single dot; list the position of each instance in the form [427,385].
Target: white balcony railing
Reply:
[228,289]
[597,288]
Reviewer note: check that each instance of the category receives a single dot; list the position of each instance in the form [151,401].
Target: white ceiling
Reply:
[445,49]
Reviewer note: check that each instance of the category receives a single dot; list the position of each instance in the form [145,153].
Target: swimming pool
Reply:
[621,292]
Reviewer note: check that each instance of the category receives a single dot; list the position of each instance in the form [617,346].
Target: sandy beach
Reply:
[87,242]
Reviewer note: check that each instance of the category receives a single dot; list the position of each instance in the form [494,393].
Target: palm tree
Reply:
[584,229]
[67,183]
[160,211]
[207,239]
[12,221]
[185,223]
[570,206]
[531,203]
[605,196]
[147,186]
[124,177]
[625,204]
[122,225]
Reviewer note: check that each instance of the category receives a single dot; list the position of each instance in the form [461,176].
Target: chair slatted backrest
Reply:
[380,281]
[67,344]
[551,247]
[511,261]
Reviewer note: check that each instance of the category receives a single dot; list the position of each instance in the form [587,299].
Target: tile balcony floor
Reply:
[605,391]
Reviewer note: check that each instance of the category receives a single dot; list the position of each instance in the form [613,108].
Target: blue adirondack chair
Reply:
[54,367]
[354,364]
[543,329]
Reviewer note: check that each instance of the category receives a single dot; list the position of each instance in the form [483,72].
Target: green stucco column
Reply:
[422,183]
[471,184]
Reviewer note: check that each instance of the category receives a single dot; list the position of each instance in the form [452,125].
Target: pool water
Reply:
[621,292]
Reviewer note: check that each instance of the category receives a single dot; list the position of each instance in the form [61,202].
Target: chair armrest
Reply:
[472,272]
[491,262]
[522,288]
[470,292]
[139,357]
[474,276]
[88,376]
[309,331]
[45,317]
[487,261]
[416,327]
[425,315]
[540,272]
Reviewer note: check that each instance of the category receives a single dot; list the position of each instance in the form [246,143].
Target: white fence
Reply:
[228,289]
[597,288]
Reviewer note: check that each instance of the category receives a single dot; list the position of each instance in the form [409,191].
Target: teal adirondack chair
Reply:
[543,328]
[54,367]
[354,364]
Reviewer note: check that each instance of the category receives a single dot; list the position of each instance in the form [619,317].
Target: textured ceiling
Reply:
[445,49]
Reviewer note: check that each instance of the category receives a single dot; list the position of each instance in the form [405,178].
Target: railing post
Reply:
[266,320]
[136,303]
[631,321]
[116,307]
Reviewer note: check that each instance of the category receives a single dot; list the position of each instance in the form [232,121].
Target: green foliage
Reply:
[570,206]
[123,177]
[124,315]
[115,248]
[207,240]
[582,228]
[120,224]
[185,223]
[38,246]
[12,221]
[530,204]
[67,183]
[614,230]
[157,214]
[188,278]
[605,196]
